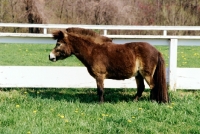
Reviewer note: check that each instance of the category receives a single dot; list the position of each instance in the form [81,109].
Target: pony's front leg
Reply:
[100,89]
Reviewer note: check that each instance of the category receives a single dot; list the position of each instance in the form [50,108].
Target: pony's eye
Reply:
[57,44]
[62,53]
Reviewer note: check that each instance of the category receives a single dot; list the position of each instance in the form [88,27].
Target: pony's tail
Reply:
[160,92]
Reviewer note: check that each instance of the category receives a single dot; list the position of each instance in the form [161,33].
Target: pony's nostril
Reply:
[52,57]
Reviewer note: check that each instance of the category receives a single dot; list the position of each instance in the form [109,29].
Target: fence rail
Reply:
[45,27]
[177,78]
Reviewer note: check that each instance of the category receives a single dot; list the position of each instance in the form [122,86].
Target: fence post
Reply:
[105,32]
[45,31]
[173,64]
[165,32]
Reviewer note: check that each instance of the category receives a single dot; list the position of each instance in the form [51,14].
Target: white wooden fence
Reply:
[34,76]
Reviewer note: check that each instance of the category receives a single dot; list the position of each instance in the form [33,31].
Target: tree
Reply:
[101,12]
[34,12]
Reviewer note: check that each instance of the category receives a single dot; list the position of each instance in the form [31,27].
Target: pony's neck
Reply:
[81,48]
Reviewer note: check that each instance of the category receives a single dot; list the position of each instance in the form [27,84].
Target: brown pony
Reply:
[89,34]
[111,61]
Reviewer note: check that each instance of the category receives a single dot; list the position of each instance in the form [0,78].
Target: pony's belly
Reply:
[123,76]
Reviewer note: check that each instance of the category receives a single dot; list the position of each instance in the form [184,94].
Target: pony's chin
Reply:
[60,58]
[53,59]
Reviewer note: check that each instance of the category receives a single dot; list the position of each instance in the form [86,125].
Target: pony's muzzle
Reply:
[52,57]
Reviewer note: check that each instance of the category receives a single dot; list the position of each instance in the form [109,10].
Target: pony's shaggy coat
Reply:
[111,61]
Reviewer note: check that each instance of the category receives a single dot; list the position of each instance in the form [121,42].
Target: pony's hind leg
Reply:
[148,78]
[150,81]
[140,86]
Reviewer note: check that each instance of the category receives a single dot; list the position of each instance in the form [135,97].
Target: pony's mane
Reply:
[89,33]
[82,31]
[79,37]
[59,34]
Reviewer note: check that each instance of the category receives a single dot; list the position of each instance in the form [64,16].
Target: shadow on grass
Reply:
[83,95]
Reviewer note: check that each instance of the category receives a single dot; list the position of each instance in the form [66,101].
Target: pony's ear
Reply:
[58,34]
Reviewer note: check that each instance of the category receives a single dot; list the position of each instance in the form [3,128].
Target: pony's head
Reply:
[62,49]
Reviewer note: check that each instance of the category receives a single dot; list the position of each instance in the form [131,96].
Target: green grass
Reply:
[32,55]
[37,55]
[42,111]
[188,56]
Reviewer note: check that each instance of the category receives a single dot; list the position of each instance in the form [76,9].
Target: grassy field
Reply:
[76,111]
[37,55]
[31,55]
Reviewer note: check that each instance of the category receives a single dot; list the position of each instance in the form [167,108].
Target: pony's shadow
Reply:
[87,95]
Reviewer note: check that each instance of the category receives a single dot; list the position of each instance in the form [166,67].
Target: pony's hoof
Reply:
[101,101]
[136,98]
